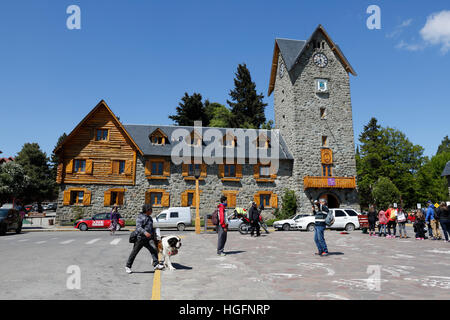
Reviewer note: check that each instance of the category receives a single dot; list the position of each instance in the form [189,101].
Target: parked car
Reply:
[346,219]
[289,224]
[10,219]
[98,221]
[175,217]
[50,207]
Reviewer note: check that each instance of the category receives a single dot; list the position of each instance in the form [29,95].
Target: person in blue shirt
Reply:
[432,222]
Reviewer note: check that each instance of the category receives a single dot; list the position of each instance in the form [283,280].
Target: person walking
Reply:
[432,222]
[145,238]
[319,230]
[391,214]
[222,227]
[382,221]
[372,217]
[444,217]
[419,226]
[114,216]
[401,219]
[253,215]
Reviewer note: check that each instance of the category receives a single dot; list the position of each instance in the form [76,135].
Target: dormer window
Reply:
[194,139]
[263,142]
[158,137]
[229,141]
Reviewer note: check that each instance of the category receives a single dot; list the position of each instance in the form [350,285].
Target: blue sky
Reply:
[140,56]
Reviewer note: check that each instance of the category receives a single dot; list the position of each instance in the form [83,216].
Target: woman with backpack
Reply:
[391,215]
[401,219]
[419,226]
[382,220]
[372,218]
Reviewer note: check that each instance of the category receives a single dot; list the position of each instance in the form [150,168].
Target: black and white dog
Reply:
[168,246]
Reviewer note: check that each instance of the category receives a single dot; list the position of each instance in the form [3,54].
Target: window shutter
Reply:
[89,166]
[231,198]
[274,200]
[107,199]
[66,198]
[273,172]
[86,198]
[184,199]
[166,169]
[185,170]
[256,199]
[115,167]
[165,201]
[238,170]
[221,171]
[128,166]
[203,170]
[147,197]
[256,171]
[69,167]
[148,171]
[120,196]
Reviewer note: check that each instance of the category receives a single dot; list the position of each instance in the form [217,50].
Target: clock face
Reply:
[320,60]
[281,70]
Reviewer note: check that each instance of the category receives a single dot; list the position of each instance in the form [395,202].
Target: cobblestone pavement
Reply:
[282,265]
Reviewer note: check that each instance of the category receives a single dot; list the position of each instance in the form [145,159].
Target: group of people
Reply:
[431,217]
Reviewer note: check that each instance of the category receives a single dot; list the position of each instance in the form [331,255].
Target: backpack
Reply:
[329,220]
[215,217]
[393,214]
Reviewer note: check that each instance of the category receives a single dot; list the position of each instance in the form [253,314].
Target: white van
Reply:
[175,217]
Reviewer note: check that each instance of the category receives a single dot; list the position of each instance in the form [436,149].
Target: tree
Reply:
[289,205]
[444,146]
[12,181]
[34,162]
[218,115]
[190,109]
[431,186]
[268,125]
[248,106]
[54,159]
[385,193]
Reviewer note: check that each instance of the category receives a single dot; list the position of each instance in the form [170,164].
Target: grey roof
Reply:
[446,171]
[290,50]
[140,134]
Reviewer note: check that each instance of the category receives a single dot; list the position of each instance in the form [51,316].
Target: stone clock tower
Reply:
[311,86]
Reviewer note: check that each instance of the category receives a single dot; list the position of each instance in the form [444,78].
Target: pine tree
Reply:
[247,107]
[444,146]
[190,109]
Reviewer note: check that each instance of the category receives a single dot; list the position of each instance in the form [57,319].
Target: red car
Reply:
[98,221]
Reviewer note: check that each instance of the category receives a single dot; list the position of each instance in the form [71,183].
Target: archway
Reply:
[332,200]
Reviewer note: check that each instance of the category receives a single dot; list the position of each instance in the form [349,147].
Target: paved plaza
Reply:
[279,265]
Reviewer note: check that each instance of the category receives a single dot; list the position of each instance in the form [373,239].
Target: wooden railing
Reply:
[329,182]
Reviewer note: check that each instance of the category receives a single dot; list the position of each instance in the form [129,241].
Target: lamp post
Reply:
[197,172]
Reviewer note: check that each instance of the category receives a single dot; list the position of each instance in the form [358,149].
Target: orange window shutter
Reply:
[221,170]
[66,198]
[273,172]
[204,169]
[185,170]
[147,197]
[128,166]
[256,171]
[87,198]
[116,167]
[166,168]
[274,200]
[107,199]
[165,201]
[120,196]
[148,171]
[256,199]
[231,199]
[89,166]
[69,167]
[184,199]
[238,170]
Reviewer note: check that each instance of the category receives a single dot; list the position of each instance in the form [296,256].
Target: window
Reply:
[79,166]
[229,170]
[339,213]
[157,168]
[192,167]
[190,199]
[327,170]
[351,213]
[162,216]
[114,197]
[323,113]
[264,199]
[121,166]
[102,135]
[76,197]
[174,214]
[264,171]
[156,198]
[157,140]
[324,141]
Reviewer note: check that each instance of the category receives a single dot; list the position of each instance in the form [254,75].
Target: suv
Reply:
[50,207]
[345,219]
[10,220]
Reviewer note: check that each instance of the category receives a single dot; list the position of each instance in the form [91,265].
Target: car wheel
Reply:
[311,227]
[83,227]
[181,227]
[243,228]
[350,227]
[286,227]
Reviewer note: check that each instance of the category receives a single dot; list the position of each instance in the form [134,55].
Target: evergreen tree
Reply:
[219,116]
[12,181]
[289,204]
[385,193]
[247,106]
[190,109]
[444,146]
[34,162]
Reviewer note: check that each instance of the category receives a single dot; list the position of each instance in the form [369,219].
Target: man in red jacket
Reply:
[222,228]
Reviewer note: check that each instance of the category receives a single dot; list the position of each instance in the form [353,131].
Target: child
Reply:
[382,220]
[419,226]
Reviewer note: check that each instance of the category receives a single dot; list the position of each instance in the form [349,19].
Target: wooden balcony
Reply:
[329,182]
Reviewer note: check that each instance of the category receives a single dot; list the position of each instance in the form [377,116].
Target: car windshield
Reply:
[3,213]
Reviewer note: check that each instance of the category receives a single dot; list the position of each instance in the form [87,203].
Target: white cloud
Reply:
[399,29]
[437,30]
[408,46]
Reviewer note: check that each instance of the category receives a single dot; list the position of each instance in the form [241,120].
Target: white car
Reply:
[292,223]
[346,219]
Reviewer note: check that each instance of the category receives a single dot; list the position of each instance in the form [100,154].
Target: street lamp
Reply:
[197,172]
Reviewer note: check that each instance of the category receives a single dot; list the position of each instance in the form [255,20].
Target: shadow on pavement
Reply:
[181,267]
[335,253]
[234,252]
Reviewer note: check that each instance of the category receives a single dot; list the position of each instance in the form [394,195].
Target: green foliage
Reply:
[289,205]
[268,125]
[190,109]
[12,181]
[385,192]
[444,146]
[431,186]
[219,116]
[247,107]
[41,185]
